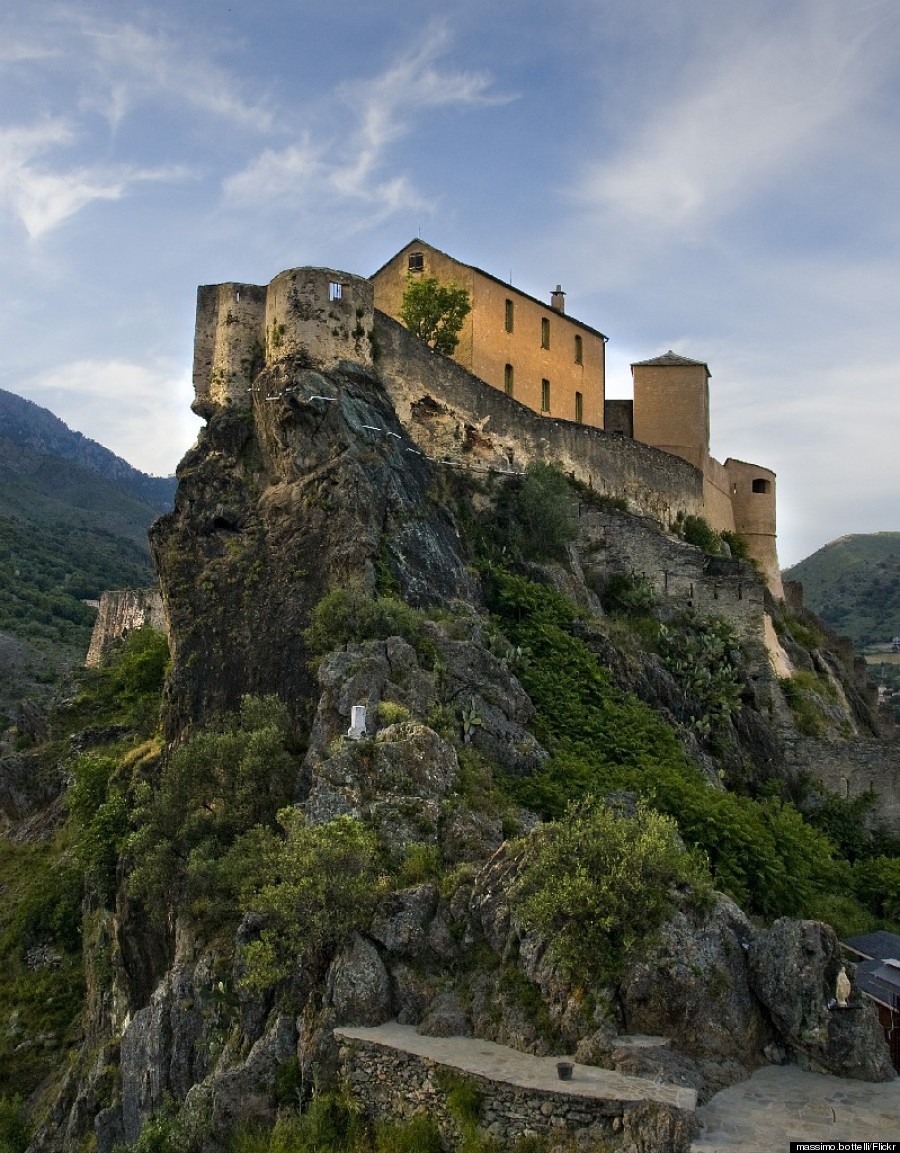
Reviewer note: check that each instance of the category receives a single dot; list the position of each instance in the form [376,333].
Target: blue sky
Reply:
[711,176]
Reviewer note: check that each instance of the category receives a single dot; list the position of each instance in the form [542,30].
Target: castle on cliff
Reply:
[517,357]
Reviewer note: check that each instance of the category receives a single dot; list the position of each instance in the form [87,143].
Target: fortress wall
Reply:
[454,416]
[321,313]
[682,576]
[717,506]
[754,515]
[618,416]
[391,1082]
[853,768]
[227,342]
[121,612]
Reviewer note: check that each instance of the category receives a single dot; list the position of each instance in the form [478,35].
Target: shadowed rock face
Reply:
[276,505]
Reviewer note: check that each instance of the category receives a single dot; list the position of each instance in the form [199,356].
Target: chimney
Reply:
[558,299]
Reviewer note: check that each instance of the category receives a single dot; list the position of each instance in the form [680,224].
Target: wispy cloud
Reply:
[41,195]
[140,410]
[381,111]
[129,66]
[743,112]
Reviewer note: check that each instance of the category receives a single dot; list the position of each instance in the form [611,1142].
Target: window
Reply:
[545,396]
[509,316]
[545,332]
[579,406]
[335,290]
[761,485]
[508,380]
[579,351]
[416,261]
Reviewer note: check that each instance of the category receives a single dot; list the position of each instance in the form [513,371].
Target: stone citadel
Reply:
[653,452]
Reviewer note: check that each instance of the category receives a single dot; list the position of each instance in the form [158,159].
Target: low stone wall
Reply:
[387,1081]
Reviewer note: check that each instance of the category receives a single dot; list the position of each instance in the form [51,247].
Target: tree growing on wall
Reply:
[435,312]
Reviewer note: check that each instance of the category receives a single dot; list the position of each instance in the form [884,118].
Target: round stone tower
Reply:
[753,501]
[228,347]
[319,313]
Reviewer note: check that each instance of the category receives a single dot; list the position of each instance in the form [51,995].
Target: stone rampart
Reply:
[455,417]
[682,576]
[627,1113]
[853,768]
[120,613]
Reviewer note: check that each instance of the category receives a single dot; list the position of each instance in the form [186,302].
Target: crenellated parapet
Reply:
[320,314]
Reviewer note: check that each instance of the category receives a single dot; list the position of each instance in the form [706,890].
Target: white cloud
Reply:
[140,412]
[42,197]
[382,111]
[129,65]
[744,112]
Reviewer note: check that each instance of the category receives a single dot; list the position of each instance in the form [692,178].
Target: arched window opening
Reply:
[760,484]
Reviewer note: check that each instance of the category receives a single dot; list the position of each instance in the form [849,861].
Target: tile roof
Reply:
[881,980]
[496,280]
[672,358]
[877,946]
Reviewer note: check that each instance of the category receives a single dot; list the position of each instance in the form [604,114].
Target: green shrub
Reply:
[13,1131]
[317,885]
[544,512]
[418,1135]
[391,713]
[704,656]
[697,531]
[628,593]
[213,790]
[349,614]
[737,544]
[597,882]
[806,694]
[876,883]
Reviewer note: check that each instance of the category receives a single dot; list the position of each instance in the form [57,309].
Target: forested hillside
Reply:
[853,584]
[73,522]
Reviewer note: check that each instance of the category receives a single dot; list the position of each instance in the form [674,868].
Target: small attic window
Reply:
[416,261]
[762,485]
[335,290]
[579,350]
[545,332]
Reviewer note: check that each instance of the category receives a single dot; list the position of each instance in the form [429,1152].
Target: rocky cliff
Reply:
[317,555]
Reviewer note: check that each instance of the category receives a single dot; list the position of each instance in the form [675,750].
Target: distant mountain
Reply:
[73,522]
[28,425]
[853,583]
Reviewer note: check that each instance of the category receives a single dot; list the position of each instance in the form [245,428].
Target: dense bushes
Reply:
[213,790]
[314,887]
[349,614]
[762,853]
[598,881]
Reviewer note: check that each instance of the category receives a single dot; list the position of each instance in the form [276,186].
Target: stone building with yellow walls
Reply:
[533,351]
[626,448]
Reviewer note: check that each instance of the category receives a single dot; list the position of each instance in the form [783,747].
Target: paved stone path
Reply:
[779,1104]
[497,1062]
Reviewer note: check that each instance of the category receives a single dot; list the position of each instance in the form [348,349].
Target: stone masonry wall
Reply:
[387,1082]
[852,768]
[453,416]
[682,576]
[121,612]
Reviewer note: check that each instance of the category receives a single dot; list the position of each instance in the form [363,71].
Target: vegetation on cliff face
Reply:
[186,867]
